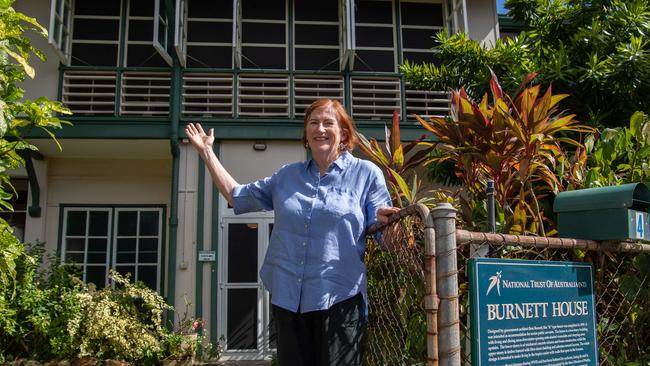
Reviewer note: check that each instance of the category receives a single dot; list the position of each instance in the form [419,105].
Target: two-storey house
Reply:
[129,194]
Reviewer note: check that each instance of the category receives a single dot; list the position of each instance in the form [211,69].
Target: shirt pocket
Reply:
[342,202]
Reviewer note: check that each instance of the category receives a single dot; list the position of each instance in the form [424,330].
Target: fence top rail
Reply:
[544,242]
[415,209]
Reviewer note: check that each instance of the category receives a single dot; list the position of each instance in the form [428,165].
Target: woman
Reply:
[314,264]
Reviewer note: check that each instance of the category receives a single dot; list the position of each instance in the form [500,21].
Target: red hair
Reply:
[342,117]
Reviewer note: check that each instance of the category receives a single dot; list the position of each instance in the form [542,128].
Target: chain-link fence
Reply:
[418,289]
[399,283]
[621,285]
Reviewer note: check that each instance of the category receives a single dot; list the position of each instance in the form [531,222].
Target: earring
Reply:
[306,145]
[342,146]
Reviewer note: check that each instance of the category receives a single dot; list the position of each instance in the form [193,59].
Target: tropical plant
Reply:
[597,51]
[516,142]
[400,162]
[620,155]
[17,116]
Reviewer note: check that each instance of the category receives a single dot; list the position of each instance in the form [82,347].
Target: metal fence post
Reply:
[444,218]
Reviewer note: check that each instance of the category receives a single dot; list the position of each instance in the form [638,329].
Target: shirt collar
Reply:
[342,161]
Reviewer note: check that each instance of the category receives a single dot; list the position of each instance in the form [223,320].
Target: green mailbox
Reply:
[606,213]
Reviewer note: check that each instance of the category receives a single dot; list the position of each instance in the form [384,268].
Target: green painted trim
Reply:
[121,61]
[173,230]
[59,243]
[214,279]
[173,210]
[290,50]
[508,24]
[200,217]
[118,68]
[59,91]
[163,240]
[112,119]
[108,130]
[121,69]
[108,205]
[347,90]
[398,29]
[35,209]
[292,130]
[249,129]
[235,93]
[400,59]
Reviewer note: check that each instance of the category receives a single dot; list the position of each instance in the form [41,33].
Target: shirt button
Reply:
[306,226]
[304,243]
[300,280]
[302,262]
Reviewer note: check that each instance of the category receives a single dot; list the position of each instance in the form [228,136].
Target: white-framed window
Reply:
[420,21]
[96,36]
[264,34]
[374,34]
[60,28]
[180,31]
[209,34]
[147,34]
[347,42]
[457,16]
[126,239]
[245,320]
[316,35]
[161,31]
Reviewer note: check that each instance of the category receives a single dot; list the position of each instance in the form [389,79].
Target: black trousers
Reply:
[321,338]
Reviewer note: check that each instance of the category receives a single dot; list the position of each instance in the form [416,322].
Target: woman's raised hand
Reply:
[199,139]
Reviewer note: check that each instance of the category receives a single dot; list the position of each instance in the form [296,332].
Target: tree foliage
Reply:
[17,117]
[596,51]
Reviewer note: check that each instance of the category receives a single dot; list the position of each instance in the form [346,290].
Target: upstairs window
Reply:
[96,33]
[264,34]
[316,35]
[209,34]
[374,36]
[60,24]
[420,22]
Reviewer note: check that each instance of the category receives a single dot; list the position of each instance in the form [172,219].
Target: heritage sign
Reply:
[532,313]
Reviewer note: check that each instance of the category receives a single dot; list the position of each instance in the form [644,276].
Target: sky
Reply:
[500,8]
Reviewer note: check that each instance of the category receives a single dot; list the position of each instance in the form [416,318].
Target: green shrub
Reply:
[122,323]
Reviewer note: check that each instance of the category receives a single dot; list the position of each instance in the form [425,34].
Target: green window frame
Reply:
[127,239]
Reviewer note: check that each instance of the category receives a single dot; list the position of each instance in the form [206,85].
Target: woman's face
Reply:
[323,131]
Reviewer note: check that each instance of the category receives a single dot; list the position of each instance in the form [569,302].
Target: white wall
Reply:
[102,181]
[246,165]
[483,21]
[47,74]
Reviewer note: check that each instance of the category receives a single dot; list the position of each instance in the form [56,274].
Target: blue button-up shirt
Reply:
[315,255]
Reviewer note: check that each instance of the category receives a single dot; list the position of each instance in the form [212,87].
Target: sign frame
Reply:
[521,310]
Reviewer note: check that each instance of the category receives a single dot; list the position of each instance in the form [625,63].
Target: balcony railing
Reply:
[131,93]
